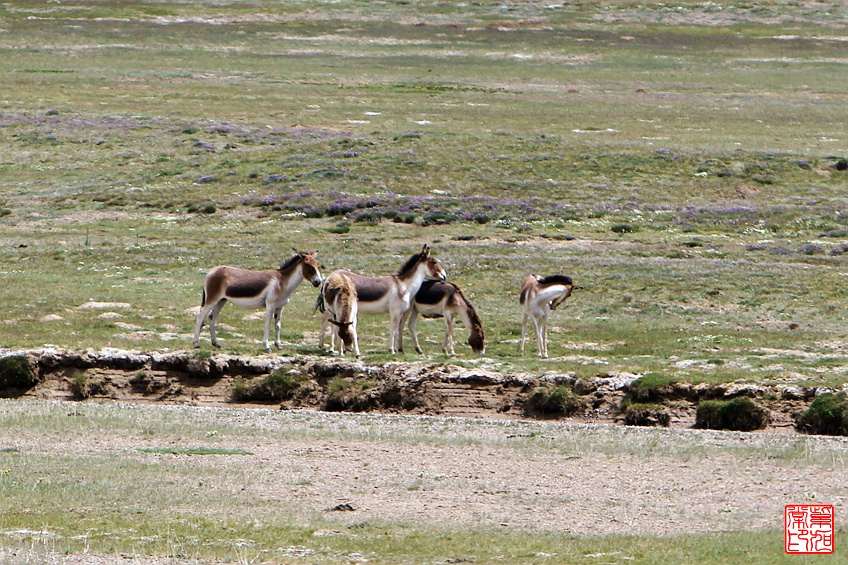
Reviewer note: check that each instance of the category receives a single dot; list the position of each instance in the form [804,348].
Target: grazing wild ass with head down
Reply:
[392,294]
[436,299]
[338,298]
[539,295]
[254,290]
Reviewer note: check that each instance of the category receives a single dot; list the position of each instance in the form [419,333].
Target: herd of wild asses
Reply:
[419,287]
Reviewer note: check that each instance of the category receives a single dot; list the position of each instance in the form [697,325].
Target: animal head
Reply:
[477,340]
[345,332]
[432,269]
[569,288]
[309,267]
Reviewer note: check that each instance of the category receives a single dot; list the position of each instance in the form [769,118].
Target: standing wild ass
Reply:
[338,297]
[254,290]
[392,294]
[539,295]
[436,299]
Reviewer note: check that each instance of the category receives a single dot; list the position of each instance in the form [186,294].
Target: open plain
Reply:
[685,164]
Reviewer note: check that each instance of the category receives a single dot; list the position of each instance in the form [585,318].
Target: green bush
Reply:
[559,400]
[278,386]
[17,372]
[828,414]
[347,394]
[740,414]
[624,228]
[651,387]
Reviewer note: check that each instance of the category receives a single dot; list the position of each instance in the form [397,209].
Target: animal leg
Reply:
[394,331]
[201,317]
[355,337]
[541,335]
[213,320]
[523,333]
[324,322]
[278,314]
[269,313]
[403,318]
[447,346]
[413,319]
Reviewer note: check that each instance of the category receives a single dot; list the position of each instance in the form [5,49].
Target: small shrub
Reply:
[17,372]
[828,414]
[559,400]
[624,228]
[740,414]
[651,387]
[646,415]
[347,394]
[340,228]
[278,386]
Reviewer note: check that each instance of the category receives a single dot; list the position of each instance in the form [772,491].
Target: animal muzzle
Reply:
[317,280]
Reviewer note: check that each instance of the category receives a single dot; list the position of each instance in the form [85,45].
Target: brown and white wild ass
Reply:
[436,299]
[392,294]
[254,290]
[338,298]
[539,295]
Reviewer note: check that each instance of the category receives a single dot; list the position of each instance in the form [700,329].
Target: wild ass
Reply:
[539,295]
[436,299]
[338,297]
[253,290]
[392,294]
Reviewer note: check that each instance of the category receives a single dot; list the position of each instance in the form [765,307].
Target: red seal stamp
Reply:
[808,528]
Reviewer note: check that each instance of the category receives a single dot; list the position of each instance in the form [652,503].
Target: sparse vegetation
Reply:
[738,414]
[347,394]
[277,386]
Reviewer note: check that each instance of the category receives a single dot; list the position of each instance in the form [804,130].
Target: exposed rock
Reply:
[51,318]
[92,305]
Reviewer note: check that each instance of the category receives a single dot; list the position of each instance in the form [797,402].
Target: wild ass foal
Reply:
[392,294]
[539,295]
[338,297]
[436,299]
[254,290]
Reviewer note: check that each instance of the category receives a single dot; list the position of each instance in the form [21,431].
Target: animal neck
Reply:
[413,279]
[470,319]
[550,294]
[291,274]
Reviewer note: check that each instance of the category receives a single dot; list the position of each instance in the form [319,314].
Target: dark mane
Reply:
[410,264]
[290,262]
[472,313]
[557,279]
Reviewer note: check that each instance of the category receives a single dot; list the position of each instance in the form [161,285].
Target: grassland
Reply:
[682,162]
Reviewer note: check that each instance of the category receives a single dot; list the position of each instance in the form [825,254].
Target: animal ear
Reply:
[425,251]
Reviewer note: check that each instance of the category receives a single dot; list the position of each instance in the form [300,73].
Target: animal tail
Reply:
[319,303]
[203,298]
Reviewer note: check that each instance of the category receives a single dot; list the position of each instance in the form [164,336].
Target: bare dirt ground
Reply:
[586,475]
